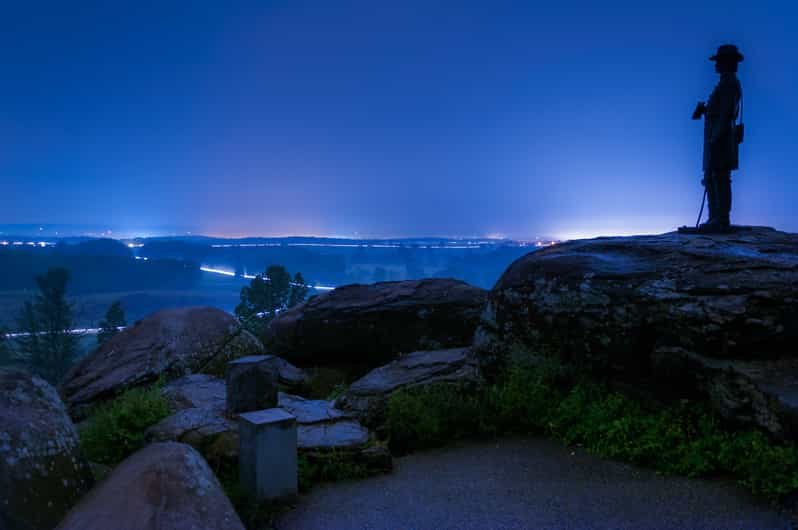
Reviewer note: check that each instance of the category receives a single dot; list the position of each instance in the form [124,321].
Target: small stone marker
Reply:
[251,384]
[267,457]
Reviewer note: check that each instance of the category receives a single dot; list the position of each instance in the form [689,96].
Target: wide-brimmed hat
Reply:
[727,51]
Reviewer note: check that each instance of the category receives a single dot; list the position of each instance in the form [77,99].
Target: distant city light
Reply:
[232,245]
[447,245]
[78,331]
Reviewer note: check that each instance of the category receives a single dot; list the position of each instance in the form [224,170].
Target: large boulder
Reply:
[369,325]
[706,316]
[164,485]
[170,343]
[367,397]
[42,472]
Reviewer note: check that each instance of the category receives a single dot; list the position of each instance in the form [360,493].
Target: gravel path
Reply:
[526,483]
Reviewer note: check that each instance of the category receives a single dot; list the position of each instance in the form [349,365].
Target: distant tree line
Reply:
[96,267]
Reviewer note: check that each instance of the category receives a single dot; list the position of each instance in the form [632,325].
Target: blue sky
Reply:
[387,118]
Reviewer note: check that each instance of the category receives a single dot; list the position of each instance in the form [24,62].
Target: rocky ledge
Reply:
[200,420]
[707,316]
[368,396]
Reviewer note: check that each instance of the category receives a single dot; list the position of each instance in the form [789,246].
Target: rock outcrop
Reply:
[680,315]
[368,396]
[368,325]
[321,426]
[42,472]
[208,430]
[196,391]
[164,485]
[169,343]
[200,421]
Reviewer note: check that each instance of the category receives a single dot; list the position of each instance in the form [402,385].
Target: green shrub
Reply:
[684,438]
[116,429]
[431,415]
[524,401]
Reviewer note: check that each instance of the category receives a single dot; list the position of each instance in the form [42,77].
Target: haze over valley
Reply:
[151,273]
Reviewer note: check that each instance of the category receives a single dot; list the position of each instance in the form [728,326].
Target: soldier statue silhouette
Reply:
[722,136]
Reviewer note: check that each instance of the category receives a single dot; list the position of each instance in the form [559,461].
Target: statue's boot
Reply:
[712,224]
[724,198]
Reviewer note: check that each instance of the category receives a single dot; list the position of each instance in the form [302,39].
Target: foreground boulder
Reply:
[170,343]
[42,472]
[164,485]
[368,396]
[369,325]
[679,315]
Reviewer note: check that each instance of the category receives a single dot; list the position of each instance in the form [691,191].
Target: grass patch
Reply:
[684,439]
[116,429]
[330,466]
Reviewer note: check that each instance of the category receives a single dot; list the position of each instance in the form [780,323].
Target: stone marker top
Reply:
[250,359]
[267,416]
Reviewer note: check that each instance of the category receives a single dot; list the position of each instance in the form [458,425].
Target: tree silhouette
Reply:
[109,327]
[47,342]
[267,294]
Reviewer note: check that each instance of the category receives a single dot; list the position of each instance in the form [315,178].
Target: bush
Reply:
[116,429]
[684,438]
[431,415]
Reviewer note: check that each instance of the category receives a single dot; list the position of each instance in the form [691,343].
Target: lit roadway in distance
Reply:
[232,274]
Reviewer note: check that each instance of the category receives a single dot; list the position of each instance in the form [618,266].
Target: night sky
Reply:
[387,118]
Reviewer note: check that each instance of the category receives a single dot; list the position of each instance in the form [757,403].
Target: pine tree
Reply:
[109,327]
[47,344]
[299,290]
[267,294]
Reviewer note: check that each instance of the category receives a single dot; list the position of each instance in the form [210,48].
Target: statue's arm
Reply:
[700,110]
